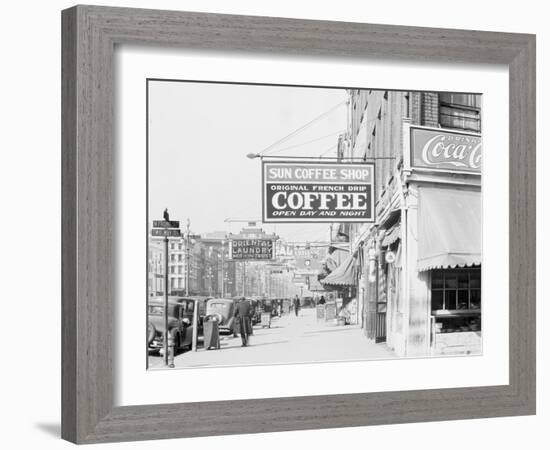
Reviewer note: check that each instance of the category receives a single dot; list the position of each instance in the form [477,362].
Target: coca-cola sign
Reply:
[445,150]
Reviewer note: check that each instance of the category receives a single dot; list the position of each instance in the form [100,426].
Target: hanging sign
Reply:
[251,249]
[317,192]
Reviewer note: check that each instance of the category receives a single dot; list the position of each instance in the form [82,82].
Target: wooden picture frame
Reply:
[90,34]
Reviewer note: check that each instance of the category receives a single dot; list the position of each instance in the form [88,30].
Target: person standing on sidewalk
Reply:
[297,305]
[242,315]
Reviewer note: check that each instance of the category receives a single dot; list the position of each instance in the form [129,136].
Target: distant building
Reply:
[176,266]
[219,269]
[155,265]
[249,274]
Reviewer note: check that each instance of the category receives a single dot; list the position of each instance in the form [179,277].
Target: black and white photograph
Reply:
[279,224]
[301,224]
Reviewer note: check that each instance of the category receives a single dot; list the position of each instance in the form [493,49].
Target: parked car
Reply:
[223,311]
[201,304]
[256,309]
[180,321]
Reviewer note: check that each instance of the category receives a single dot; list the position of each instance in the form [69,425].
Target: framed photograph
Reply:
[322,224]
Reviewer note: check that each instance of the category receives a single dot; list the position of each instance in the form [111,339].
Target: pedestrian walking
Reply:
[297,305]
[242,314]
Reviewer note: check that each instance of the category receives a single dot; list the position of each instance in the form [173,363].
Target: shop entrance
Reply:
[376,309]
[381,308]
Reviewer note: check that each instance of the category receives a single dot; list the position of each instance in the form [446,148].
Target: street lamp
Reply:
[253,155]
[222,257]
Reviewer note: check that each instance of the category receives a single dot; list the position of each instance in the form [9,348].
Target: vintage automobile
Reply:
[180,321]
[223,311]
[200,301]
[256,309]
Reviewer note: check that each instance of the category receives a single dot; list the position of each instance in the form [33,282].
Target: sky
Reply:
[200,134]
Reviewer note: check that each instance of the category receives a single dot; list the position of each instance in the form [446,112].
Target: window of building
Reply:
[460,111]
[456,289]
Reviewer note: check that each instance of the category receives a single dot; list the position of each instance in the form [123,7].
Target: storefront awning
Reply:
[392,235]
[449,228]
[343,275]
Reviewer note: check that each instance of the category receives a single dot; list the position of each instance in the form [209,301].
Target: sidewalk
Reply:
[290,339]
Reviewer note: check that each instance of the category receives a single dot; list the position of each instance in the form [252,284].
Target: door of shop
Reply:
[376,309]
[380,324]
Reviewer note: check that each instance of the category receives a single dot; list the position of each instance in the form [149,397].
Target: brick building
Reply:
[417,279]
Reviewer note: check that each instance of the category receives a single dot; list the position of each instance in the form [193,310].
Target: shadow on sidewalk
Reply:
[332,329]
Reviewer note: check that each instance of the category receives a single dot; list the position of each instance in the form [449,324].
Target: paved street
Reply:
[290,339]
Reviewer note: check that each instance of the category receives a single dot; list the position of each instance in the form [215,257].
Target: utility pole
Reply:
[166,334]
[243,265]
[223,272]
[187,258]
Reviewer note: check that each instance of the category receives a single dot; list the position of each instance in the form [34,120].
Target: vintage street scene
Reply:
[293,224]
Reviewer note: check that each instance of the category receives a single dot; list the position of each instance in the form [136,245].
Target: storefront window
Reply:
[456,300]
[456,289]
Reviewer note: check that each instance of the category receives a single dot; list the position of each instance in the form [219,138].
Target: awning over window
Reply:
[449,228]
[343,275]
[392,235]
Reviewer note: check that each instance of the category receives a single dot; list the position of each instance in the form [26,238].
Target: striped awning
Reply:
[343,275]
[449,228]
[392,235]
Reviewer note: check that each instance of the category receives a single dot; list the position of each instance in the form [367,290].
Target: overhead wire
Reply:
[332,147]
[307,142]
[300,129]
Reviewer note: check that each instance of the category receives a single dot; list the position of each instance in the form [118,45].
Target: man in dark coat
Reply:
[297,305]
[243,310]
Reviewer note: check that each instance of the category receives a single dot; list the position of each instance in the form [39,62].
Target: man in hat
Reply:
[242,315]
[297,305]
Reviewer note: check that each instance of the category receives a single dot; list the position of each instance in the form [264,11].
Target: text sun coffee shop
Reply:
[414,274]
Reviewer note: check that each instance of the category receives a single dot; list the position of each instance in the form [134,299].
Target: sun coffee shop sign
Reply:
[438,149]
[317,192]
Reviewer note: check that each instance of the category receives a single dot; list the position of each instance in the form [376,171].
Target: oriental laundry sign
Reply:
[445,150]
[317,192]
[251,249]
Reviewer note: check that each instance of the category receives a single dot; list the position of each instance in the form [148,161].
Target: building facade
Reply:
[155,273]
[417,269]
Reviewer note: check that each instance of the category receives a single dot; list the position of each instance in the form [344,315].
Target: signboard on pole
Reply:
[445,150]
[165,232]
[166,228]
[317,192]
[251,249]
[166,223]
